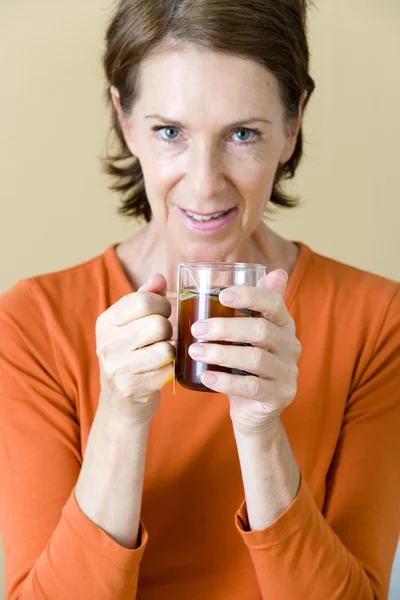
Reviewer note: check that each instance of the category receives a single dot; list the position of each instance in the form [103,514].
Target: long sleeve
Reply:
[346,552]
[52,549]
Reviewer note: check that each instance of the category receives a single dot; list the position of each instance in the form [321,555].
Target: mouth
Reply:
[208,223]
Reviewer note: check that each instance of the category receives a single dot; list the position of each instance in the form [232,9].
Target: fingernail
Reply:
[197,350]
[283,271]
[210,379]
[230,297]
[200,328]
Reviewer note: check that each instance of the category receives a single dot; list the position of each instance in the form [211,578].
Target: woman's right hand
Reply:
[134,352]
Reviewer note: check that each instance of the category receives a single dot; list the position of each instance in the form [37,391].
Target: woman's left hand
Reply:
[256,400]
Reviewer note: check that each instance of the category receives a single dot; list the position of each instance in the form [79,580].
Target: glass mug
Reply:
[199,286]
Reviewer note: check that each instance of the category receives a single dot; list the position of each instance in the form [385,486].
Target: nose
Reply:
[206,174]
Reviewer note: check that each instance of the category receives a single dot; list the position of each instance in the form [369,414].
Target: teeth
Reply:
[203,218]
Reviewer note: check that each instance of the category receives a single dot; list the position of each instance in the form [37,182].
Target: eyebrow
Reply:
[231,126]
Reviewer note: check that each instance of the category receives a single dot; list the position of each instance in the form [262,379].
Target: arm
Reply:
[271,477]
[347,551]
[52,548]
[110,484]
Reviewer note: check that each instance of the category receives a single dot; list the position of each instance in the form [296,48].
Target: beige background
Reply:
[55,206]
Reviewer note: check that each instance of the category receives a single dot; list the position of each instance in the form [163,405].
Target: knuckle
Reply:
[289,393]
[102,355]
[159,325]
[142,302]
[278,302]
[253,387]
[262,329]
[291,325]
[250,295]
[274,304]
[295,372]
[107,349]
[167,306]
[298,348]
[258,358]
[109,363]
[124,384]
[167,351]
[109,371]
[294,347]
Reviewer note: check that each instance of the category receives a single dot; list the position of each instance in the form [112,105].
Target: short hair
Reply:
[270,32]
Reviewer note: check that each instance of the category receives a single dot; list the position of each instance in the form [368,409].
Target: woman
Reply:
[208,98]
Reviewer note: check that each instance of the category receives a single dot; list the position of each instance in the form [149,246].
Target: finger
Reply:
[256,331]
[153,357]
[277,394]
[148,331]
[267,302]
[275,280]
[134,335]
[156,284]
[135,306]
[133,386]
[140,361]
[252,359]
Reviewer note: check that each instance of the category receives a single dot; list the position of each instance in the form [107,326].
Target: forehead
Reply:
[198,81]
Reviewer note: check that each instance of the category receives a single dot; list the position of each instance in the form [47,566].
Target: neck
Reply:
[148,252]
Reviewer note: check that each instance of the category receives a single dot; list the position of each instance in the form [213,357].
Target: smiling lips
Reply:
[204,218]
[209,223]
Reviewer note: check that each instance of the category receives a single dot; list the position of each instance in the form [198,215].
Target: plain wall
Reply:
[56,209]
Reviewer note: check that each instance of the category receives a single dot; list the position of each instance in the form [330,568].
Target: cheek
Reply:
[167,169]
[251,172]
[161,175]
[165,164]
[254,175]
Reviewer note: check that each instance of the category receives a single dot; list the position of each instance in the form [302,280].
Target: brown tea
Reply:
[195,307]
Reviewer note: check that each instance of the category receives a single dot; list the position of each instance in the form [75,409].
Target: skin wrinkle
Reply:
[204,171]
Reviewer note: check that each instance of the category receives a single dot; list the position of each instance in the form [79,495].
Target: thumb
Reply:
[157,284]
[275,280]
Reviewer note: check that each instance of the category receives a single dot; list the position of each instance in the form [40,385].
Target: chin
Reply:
[207,250]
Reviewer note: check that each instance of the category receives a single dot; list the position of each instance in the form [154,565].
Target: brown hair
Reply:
[271,32]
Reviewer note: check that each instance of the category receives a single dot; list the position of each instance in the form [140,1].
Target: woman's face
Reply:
[209,132]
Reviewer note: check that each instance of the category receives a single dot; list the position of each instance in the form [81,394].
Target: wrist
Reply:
[264,434]
[117,424]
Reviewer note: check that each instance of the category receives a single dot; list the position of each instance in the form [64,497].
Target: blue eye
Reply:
[169,134]
[244,135]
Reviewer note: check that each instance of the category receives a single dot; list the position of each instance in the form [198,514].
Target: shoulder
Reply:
[76,286]
[347,319]
[346,288]
[349,313]
[48,321]
[58,310]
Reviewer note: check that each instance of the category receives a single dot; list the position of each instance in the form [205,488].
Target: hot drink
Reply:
[194,306]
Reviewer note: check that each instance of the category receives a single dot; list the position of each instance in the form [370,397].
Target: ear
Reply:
[123,119]
[293,133]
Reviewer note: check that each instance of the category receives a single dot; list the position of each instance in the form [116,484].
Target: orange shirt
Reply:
[337,539]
